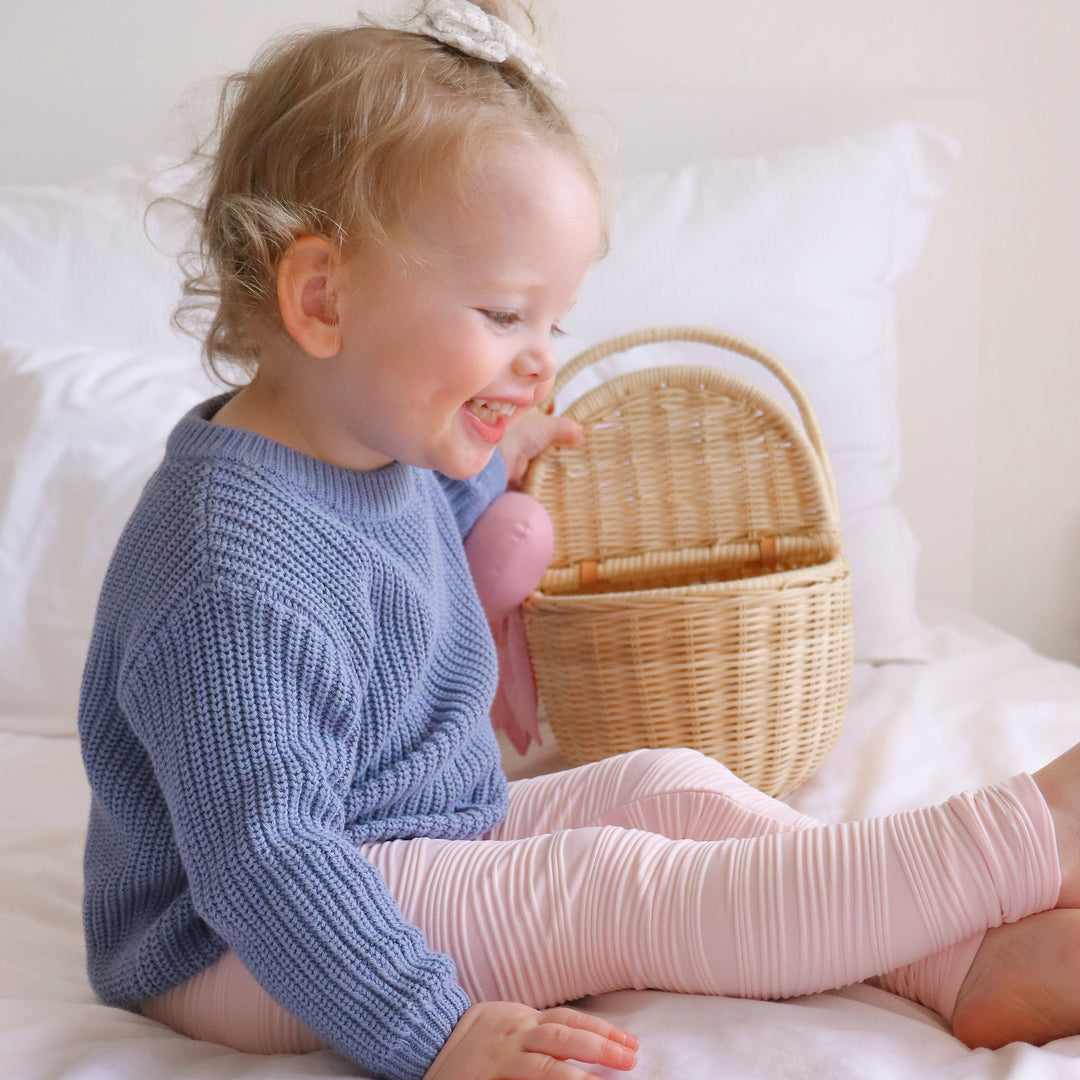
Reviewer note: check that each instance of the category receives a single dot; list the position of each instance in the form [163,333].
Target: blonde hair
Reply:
[334,132]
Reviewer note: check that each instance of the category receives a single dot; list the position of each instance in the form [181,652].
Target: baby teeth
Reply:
[499,408]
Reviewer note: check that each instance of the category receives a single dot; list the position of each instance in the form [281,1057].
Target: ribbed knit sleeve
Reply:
[260,831]
[470,498]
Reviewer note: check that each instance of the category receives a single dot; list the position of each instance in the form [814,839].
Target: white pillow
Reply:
[80,431]
[92,377]
[801,252]
[78,265]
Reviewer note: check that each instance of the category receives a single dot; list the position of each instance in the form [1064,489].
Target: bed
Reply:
[806,250]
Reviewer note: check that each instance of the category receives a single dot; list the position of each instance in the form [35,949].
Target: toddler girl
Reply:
[300,834]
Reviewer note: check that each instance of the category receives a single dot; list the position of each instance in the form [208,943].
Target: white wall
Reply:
[84,85]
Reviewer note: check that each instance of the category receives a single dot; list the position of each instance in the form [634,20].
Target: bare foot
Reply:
[1059,783]
[1024,983]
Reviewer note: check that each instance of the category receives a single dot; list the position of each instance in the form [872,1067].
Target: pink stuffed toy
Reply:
[508,550]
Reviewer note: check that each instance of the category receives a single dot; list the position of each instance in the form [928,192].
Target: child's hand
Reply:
[500,1040]
[534,432]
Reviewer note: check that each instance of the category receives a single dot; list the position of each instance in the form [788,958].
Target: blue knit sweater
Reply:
[289,659]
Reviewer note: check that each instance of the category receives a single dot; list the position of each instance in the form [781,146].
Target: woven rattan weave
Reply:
[698,594]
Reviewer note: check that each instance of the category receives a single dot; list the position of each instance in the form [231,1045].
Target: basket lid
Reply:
[686,471]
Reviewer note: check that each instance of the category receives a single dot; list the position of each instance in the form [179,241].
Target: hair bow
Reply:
[468,28]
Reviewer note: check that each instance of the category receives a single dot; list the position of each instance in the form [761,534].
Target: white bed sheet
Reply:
[984,706]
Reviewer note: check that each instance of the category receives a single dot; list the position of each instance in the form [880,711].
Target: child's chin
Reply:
[461,470]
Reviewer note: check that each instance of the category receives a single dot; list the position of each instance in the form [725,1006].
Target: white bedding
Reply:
[982,707]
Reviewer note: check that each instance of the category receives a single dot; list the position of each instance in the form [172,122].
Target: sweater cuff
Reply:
[412,1056]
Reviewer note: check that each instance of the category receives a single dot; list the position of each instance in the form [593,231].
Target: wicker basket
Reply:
[698,594]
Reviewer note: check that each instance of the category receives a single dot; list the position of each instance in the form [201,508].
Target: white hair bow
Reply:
[471,30]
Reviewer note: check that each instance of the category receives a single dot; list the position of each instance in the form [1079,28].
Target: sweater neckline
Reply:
[380,491]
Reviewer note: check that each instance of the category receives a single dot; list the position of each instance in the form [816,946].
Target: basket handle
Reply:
[706,336]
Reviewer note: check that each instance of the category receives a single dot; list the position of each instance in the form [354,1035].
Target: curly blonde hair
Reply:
[334,132]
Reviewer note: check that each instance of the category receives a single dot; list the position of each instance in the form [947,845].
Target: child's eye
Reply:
[557,331]
[502,319]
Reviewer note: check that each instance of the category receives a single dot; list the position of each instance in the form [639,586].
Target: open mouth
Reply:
[489,418]
[491,412]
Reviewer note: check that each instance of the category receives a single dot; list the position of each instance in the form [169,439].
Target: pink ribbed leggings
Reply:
[661,869]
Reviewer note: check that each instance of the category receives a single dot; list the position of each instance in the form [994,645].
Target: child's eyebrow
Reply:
[521,285]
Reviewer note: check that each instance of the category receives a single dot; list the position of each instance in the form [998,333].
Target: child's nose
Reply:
[536,361]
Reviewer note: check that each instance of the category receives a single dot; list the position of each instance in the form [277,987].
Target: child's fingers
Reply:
[576,1019]
[562,1042]
[563,429]
[505,1040]
[542,1067]
[545,431]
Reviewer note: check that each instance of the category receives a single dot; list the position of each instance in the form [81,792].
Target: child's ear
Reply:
[306,295]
